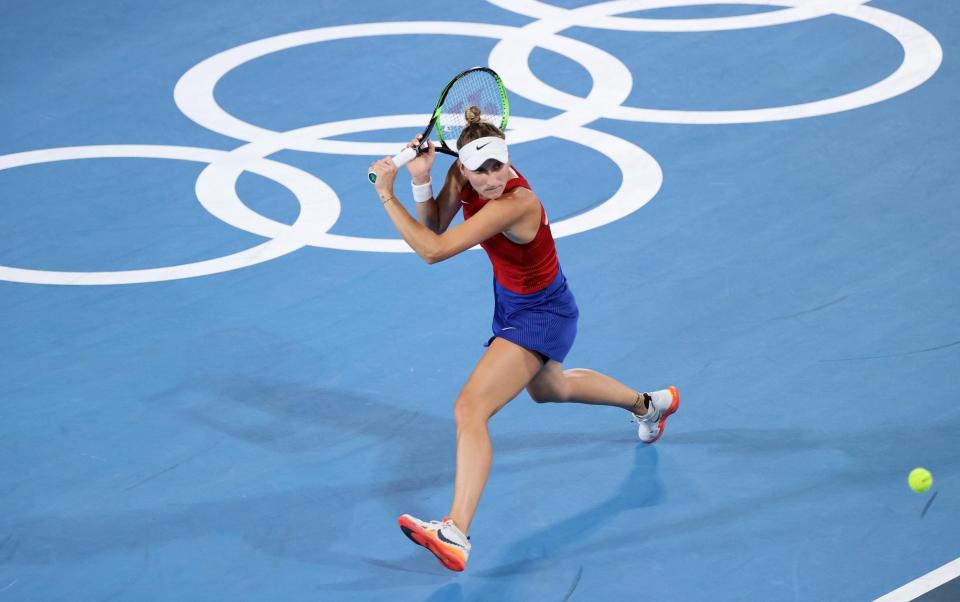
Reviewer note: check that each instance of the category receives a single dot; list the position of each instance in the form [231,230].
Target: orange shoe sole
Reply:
[447,557]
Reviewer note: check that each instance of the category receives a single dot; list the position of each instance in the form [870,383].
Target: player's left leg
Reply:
[498,377]
[501,373]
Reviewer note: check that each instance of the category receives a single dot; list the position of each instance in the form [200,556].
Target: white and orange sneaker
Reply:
[443,538]
[663,403]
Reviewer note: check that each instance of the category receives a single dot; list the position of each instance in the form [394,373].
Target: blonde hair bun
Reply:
[476,128]
[473,115]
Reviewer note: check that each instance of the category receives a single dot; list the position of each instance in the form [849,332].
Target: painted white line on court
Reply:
[922,585]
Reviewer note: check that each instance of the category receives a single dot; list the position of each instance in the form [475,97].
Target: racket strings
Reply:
[474,89]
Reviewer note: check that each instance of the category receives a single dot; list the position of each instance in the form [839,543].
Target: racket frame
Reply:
[409,153]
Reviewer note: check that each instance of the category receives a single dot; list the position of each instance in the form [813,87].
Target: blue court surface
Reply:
[224,377]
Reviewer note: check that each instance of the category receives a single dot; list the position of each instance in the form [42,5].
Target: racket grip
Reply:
[400,159]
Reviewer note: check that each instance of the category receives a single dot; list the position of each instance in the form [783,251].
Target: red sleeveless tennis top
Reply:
[526,268]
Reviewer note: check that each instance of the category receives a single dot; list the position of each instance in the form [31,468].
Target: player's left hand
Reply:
[386,174]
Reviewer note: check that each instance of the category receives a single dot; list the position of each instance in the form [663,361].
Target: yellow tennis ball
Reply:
[920,479]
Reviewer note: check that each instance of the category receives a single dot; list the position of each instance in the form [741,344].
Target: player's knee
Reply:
[468,411]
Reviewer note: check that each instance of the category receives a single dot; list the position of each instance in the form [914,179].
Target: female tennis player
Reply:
[534,319]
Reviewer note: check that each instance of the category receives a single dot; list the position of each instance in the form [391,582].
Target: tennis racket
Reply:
[476,87]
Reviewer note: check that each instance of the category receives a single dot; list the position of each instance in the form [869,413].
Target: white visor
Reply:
[475,153]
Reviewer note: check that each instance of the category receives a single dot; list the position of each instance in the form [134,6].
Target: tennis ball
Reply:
[920,479]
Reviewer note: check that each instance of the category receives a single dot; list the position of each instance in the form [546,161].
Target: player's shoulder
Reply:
[520,194]
[521,199]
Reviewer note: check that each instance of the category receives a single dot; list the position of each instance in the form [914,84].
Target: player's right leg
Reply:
[553,384]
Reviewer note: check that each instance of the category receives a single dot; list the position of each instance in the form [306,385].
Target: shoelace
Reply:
[439,524]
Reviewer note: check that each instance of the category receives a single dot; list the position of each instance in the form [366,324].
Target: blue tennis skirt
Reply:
[544,322]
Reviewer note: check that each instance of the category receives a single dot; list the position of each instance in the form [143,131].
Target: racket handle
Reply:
[400,159]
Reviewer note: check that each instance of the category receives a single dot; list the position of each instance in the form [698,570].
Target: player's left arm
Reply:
[495,217]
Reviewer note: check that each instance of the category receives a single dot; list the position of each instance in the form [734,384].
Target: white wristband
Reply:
[422,192]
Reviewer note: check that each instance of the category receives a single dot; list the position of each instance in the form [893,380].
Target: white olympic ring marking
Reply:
[800,10]
[510,58]
[312,194]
